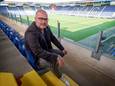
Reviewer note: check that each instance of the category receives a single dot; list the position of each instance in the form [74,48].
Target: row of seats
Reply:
[91,11]
[30,79]
[18,41]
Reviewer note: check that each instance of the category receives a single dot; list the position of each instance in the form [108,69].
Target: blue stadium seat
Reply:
[0,24]
[31,58]
[6,30]
[33,62]
[3,27]
[16,40]
[113,52]
[11,35]
[21,47]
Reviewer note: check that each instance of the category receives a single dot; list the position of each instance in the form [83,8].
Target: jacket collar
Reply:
[37,28]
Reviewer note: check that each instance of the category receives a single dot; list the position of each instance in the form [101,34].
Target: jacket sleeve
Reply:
[37,50]
[55,41]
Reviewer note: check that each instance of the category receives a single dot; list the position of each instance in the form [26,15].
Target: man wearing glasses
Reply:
[38,39]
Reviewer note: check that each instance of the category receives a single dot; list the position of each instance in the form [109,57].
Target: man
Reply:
[38,39]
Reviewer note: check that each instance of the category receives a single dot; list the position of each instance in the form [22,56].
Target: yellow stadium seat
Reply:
[32,79]
[7,79]
[52,80]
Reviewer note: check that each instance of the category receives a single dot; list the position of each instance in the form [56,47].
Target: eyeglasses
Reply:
[42,18]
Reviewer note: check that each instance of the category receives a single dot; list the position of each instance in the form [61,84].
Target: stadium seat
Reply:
[30,57]
[7,79]
[32,79]
[7,30]
[16,41]
[11,34]
[21,47]
[0,24]
[2,27]
[52,80]
[113,52]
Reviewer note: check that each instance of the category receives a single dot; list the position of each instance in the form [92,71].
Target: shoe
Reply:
[42,69]
[67,83]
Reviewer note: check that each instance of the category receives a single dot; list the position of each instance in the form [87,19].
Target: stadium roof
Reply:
[41,1]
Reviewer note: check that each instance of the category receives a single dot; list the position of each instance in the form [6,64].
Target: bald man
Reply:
[38,39]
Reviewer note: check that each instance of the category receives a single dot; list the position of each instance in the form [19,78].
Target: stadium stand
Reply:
[12,62]
[87,11]
[30,77]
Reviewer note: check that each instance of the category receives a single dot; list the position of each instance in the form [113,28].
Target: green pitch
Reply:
[77,28]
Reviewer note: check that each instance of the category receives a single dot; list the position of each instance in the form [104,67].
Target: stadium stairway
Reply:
[26,80]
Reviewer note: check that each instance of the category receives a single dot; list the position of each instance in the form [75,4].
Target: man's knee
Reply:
[56,51]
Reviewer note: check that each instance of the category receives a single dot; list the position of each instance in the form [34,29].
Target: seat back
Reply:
[31,58]
[7,79]
[32,78]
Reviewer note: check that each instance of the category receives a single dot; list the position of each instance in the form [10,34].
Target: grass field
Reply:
[77,28]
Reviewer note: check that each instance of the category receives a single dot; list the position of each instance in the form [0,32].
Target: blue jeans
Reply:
[54,66]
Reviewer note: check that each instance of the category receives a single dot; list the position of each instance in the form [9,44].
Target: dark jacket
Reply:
[35,42]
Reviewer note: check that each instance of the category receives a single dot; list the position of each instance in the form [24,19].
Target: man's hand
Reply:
[65,52]
[60,61]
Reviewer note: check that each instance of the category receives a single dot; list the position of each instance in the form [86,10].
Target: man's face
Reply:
[41,20]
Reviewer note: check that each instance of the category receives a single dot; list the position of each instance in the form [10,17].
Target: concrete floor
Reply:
[10,58]
[79,64]
[87,73]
